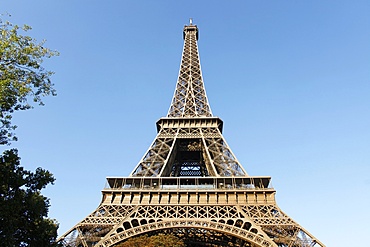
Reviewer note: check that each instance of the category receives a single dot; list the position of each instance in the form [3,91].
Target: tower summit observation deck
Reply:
[190,184]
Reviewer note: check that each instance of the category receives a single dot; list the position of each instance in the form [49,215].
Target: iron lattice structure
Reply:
[190,184]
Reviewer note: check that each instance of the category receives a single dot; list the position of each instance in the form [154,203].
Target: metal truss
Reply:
[278,225]
[234,207]
[190,184]
[215,157]
[190,98]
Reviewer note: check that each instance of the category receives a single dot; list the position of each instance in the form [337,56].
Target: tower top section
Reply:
[190,99]
[191,28]
[189,142]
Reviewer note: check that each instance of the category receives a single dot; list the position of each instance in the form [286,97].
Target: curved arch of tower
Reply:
[189,183]
[245,232]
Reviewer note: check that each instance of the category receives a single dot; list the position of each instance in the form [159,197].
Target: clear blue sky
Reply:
[290,79]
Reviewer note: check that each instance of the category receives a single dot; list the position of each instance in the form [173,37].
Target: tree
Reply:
[160,240]
[21,75]
[23,209]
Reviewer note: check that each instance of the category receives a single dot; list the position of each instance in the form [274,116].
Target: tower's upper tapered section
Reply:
[190,99]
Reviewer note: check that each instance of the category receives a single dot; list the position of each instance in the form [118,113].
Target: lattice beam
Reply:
[190,98]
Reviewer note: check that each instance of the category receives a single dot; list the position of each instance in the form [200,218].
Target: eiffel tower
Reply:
[190,184]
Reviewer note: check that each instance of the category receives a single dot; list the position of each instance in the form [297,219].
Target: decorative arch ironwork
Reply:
[250,235]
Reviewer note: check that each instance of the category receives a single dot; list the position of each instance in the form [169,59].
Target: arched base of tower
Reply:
[193,237]
[192,232]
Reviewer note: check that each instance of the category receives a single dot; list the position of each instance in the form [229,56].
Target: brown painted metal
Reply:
[189,183]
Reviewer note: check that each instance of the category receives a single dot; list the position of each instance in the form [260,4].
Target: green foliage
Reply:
[160,240]
[23,210]
[21,74]
[165,241]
